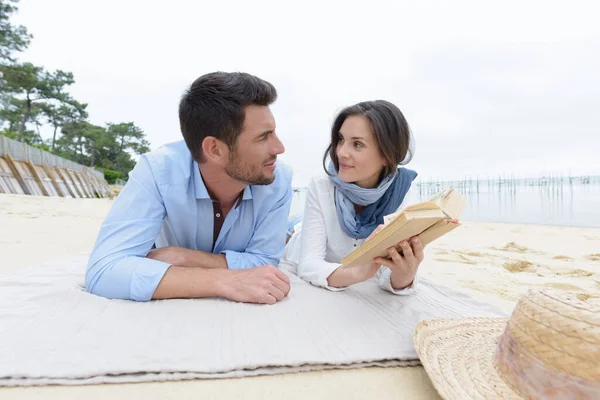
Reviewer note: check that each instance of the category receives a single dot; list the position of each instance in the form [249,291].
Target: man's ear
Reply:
[215,150]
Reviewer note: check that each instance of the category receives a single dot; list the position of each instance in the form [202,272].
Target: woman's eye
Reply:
[358,144]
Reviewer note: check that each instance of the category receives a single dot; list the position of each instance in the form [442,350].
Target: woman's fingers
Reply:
[394,255]
[386,262]
[406,249]
[375,232]
[417,247]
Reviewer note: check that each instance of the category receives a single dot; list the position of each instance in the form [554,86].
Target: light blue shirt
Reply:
[165,202]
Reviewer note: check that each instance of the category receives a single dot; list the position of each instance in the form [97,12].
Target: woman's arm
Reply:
[312,266]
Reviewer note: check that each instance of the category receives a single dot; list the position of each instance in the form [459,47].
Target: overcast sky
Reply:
[488,88]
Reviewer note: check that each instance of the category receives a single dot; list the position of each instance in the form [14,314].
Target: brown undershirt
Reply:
[219,217]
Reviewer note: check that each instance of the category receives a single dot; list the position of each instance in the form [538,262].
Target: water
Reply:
[561,201]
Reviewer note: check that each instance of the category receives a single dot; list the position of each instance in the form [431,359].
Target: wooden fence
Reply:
[29,170]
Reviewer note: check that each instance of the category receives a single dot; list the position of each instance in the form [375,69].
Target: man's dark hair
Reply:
[390,130]
[214,105]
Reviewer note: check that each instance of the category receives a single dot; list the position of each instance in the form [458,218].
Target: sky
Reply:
[488,88]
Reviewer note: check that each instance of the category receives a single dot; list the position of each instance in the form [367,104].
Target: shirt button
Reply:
[218,215]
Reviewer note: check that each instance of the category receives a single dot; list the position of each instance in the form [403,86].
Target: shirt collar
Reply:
[200,189]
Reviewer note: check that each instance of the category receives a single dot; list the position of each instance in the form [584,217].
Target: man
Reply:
[206,216]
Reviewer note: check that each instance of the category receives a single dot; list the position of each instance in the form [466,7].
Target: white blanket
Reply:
[53,332]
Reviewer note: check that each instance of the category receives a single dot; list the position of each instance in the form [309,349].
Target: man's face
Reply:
[253,159]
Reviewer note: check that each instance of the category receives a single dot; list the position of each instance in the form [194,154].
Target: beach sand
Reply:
[490,261]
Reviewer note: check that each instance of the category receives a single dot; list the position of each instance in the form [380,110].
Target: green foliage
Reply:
[33,89]
[31,97]
[12,38]
[110,176]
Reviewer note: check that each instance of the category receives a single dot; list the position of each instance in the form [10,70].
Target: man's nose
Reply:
[278,147]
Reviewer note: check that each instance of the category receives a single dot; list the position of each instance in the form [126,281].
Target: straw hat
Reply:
[549,348]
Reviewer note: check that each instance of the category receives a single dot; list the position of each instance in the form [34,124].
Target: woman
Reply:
[346,207]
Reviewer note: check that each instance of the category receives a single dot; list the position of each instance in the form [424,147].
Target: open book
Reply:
[428,220]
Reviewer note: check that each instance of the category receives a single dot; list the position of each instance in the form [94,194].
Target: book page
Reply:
[452,203]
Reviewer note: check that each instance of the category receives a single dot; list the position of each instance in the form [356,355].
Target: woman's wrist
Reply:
[400,283]
[343,277]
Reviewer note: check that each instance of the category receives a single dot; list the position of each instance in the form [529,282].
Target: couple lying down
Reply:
[208,216]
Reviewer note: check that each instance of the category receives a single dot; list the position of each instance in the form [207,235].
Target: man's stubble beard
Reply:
[243,172]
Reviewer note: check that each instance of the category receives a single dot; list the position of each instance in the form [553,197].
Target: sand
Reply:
[492,262]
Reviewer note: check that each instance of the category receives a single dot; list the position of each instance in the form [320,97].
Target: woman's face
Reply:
[359,158]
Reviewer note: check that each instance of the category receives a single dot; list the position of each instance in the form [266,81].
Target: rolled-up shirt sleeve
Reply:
[384,277]
[118,267]
[312,266]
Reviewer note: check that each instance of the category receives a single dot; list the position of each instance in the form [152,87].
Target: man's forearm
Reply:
[182,257]
[184,282]
[202,259]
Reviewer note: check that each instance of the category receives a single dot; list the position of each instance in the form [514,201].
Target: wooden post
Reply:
[81,194]
[64,178]
[37,178]
[84,185]
[53,180]
[16,173]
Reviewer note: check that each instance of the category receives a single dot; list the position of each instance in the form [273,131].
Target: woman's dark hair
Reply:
[390,130]
[214,105]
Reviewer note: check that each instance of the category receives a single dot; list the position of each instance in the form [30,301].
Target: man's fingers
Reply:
[281,286]
[280,280]
[278,293]
[267,299]
[282,276]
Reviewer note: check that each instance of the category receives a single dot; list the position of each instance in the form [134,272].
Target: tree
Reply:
[11,112]
[33,85]
[12,38]
[30,96]
[59,115]
[128,137]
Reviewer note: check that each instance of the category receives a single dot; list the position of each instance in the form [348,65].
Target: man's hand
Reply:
[265,285]
[403,266]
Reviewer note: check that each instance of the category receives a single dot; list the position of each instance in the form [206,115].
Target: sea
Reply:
[558,201]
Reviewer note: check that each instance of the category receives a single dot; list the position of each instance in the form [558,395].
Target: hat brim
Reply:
[458,355]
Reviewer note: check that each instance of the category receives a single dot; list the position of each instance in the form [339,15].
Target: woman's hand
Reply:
[346,276]
[403,266]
